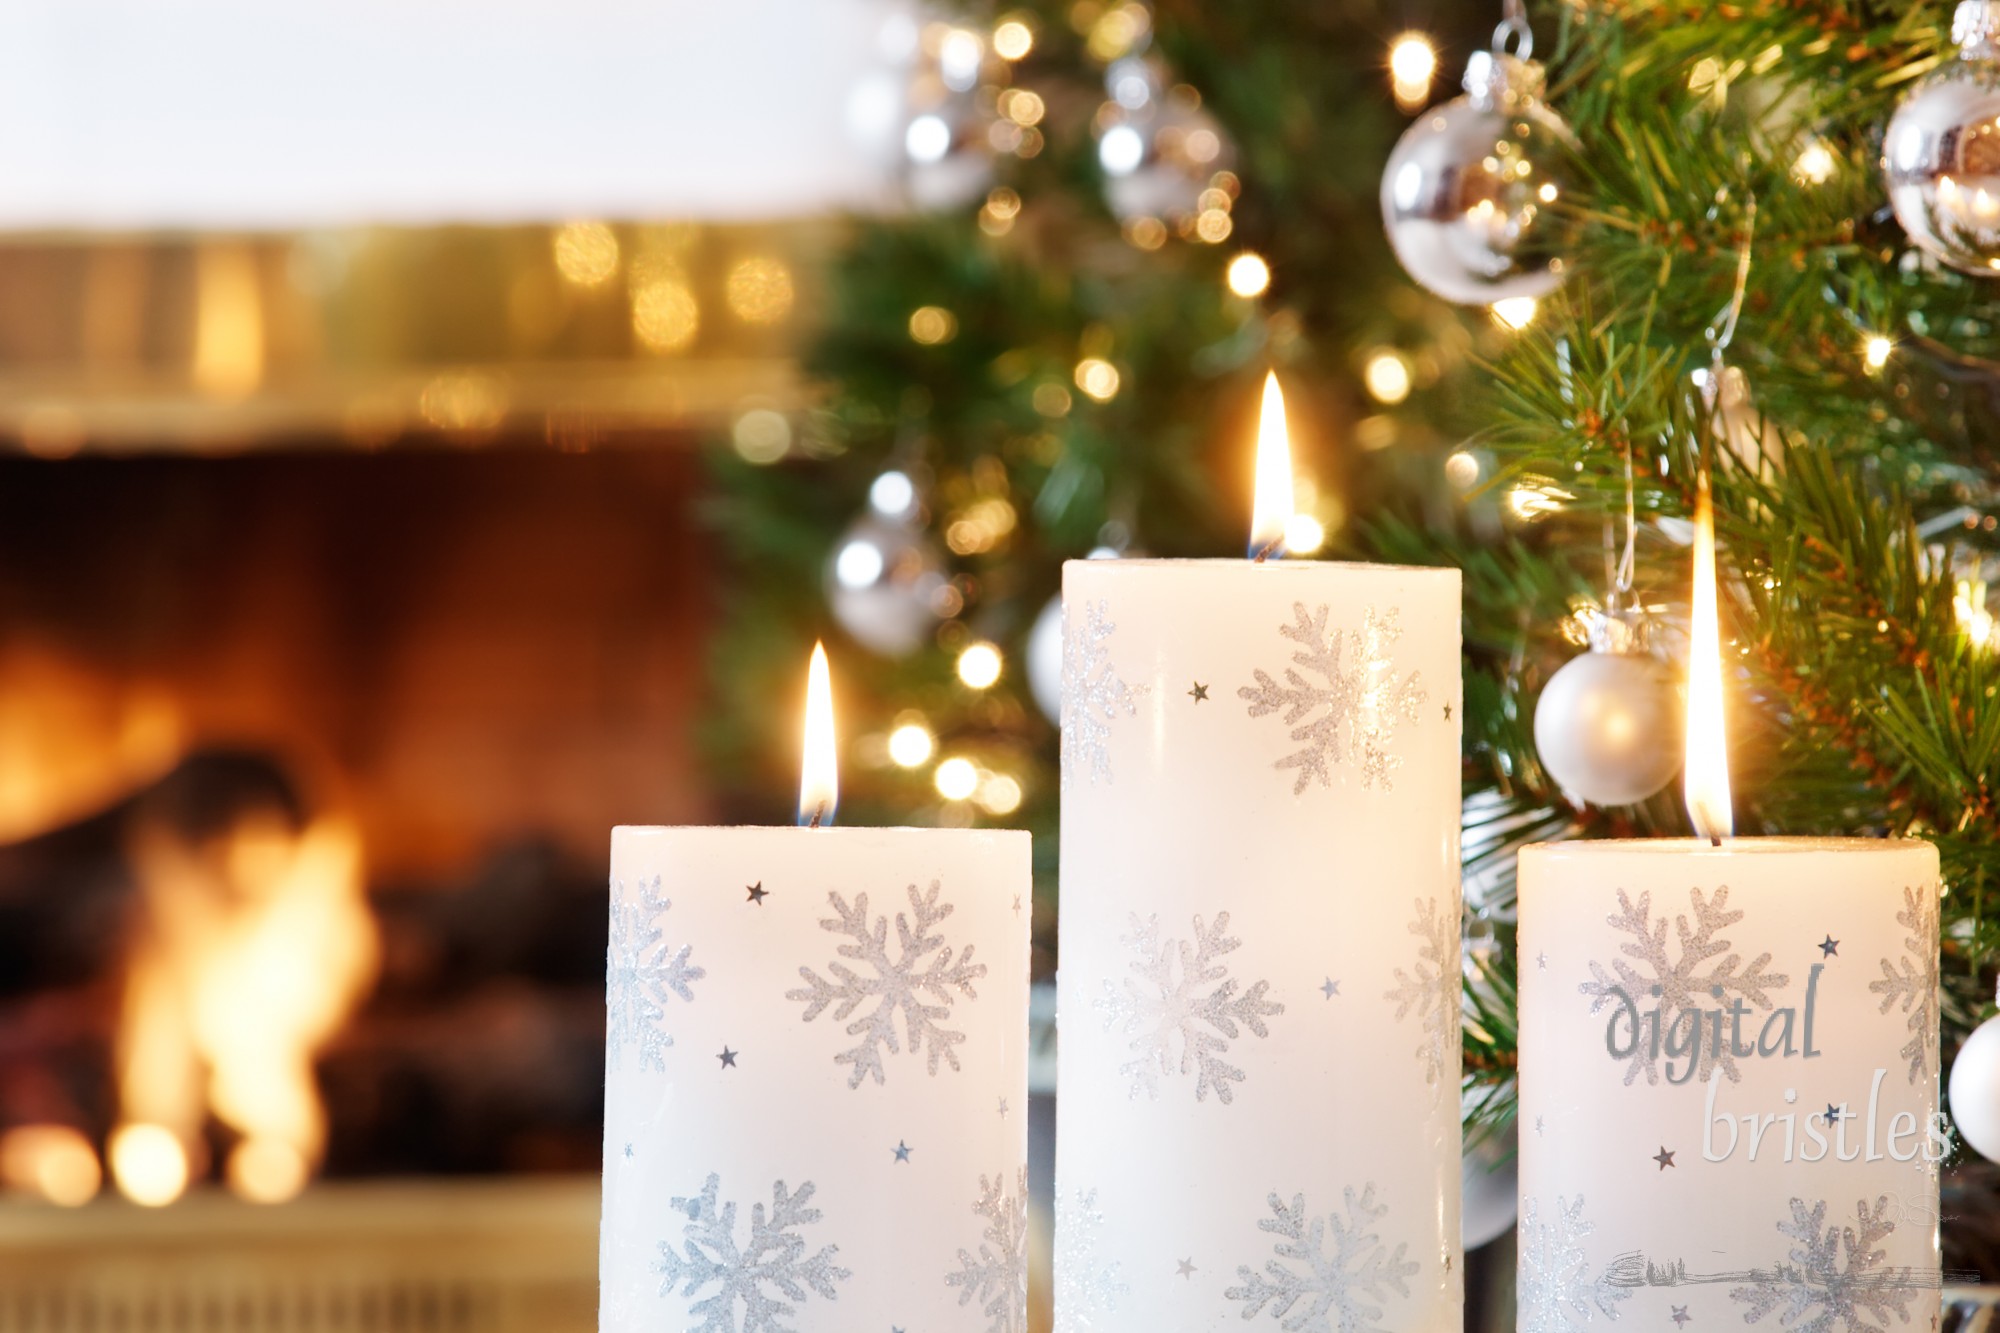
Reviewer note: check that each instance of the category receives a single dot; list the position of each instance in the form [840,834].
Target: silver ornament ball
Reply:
[1606,725]
[1975,1090]
[884,584]
[1941,156]
[1470,194]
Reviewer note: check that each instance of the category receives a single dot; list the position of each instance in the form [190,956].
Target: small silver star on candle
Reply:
[1828,947]
[1664,1158]
[1330,989]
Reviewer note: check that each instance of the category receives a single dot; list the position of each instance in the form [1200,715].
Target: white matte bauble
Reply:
[1975,1090]
[1607,726]
[884,584]
[1045,660]
[1470,194]
[1941,156]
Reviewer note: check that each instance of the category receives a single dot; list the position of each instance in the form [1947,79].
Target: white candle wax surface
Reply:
[1259,994]
[1689,1013]
[850,1076]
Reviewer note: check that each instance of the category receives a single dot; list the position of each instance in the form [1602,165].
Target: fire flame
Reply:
[819,770]
[1706,778]
[255,946]
[1271,511]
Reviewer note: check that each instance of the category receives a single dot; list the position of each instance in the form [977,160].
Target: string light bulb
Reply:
[1516,312]
[1249,275]
[1412,66]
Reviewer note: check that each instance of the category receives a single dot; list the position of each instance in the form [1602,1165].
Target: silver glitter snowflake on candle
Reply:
[1089,1287]
[1913,980]
[1430,990]
[1179,1009]
[641,971]
[1559,1291]
[918,979]
[765,1275]
[1332,1274]
[1705,971]
[1340,712]
[1833,1275]
[1093,695]
[997,1276]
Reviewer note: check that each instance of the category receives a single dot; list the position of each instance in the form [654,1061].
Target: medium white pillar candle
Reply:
[1258,1092]
[1729,1073]
[816,1098]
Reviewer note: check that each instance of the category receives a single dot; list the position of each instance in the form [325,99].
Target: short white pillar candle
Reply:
[1729,1073]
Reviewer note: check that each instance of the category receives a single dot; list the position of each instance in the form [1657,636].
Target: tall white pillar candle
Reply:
[815,1105]
[1729,1073]
[1258,1090]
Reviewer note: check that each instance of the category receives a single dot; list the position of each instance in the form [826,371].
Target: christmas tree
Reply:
[1126,214]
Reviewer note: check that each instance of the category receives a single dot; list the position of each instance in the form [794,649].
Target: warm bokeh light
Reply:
[979,665]
[149,1164]
[1098,378]
[1022,107]
[1249,275]
[1387,376]
[229,321]
[1978,624]
[1461,469]
[1214,225]
[759,290]
[998,794]
[1013,39]
[267,1171]
[956,778]
[1118,30]
[819,768]
[52,1162]
[1304,534]
[1876,351]
[665,315]
[911,745]
[1536,497]
[1412,66]
[1272,507]
[933,324]
[1705,782]
[761,435]
[1516,312]
[586,253]
[959,54]
[1815,163]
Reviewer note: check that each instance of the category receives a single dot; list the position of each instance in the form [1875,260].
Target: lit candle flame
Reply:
[1272,508]
[1705,782]
[819,774]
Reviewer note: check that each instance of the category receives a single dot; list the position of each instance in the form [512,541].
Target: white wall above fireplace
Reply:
[253,115]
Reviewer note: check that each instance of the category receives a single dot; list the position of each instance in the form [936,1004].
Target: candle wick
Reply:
[818,815]
[1715,839]
[1267,550]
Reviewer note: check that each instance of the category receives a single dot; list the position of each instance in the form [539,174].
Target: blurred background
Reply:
[431,434]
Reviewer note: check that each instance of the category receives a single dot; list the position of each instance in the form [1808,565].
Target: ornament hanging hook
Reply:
[1722,329]
[1514,28]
